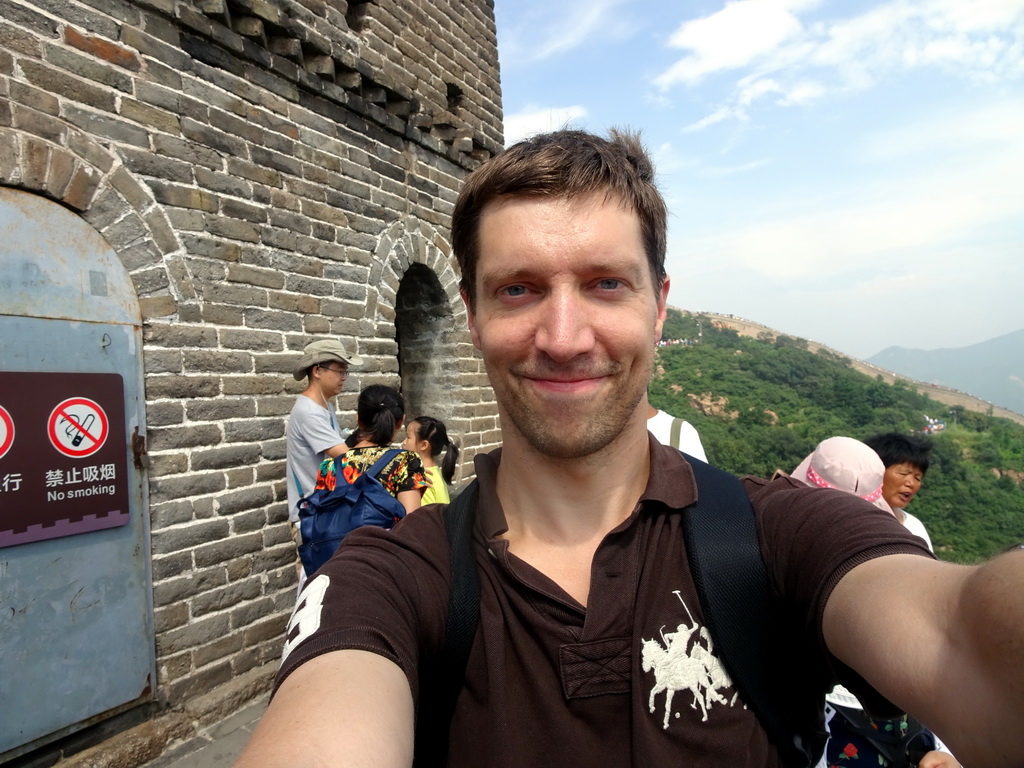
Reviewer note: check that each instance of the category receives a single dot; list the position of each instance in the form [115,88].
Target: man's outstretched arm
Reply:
[943,641]
[350,708]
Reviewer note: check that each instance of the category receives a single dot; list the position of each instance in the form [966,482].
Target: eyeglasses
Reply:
[343,372]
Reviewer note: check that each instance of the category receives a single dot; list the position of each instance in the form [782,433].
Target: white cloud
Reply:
[731,38]
[534,120]
[876,226]
[549,29]
[994,129]
[778,56]
[719,115]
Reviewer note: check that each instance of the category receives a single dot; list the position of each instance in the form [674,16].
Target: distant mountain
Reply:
[992,370]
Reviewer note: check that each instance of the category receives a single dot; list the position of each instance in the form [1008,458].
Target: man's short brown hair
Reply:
[566,164]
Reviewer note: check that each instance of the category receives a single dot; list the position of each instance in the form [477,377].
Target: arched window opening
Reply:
[424,330]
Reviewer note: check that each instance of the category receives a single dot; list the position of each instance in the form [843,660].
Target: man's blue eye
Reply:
[610,283]
[515,290]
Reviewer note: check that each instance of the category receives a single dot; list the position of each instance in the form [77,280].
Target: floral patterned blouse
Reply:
[403,473]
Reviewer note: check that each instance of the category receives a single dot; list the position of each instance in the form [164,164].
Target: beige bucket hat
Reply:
[322,351]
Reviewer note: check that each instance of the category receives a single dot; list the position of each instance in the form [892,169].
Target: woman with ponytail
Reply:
[428,437]
[380,414]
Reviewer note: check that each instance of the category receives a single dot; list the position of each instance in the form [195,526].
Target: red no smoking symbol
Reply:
[78,427]
[6,431]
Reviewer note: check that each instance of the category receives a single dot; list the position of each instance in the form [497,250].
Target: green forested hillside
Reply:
[763,404]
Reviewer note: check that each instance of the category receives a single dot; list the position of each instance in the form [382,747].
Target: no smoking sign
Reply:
[6,431]
[78,427]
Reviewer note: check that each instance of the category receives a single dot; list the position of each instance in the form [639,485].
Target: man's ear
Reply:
[662,308]
[470,317]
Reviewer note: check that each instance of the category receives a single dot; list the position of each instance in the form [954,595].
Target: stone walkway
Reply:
[219,745]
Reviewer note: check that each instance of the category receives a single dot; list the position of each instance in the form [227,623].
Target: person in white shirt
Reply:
[312,434]
[906,459]
[671,430]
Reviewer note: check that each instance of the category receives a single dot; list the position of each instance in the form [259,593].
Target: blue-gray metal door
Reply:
[76,626]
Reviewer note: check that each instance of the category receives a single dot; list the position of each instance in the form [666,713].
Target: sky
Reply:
[847,172]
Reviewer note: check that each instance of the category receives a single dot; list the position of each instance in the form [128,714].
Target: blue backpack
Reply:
[325,517]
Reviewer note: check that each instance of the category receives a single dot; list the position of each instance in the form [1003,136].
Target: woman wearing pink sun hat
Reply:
[846,465]
[849,465]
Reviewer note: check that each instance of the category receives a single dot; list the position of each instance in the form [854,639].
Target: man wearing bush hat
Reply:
[313,433]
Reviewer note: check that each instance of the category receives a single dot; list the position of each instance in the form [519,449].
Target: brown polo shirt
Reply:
[630,680]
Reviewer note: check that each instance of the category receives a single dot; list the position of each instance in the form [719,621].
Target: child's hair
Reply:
[434,432]
[380,410]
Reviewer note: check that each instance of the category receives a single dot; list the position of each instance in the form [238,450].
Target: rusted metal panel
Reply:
[76,616]
[54,265]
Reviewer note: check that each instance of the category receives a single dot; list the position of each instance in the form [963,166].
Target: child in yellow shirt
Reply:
[428,437]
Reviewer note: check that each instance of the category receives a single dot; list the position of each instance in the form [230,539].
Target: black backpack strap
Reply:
[444,675]
[732,582]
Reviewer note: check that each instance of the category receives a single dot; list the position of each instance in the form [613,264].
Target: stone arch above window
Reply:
[414,286]
[92,181]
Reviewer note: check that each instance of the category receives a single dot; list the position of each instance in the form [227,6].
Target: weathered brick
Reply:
[227,646]
[182,386]
[189,584]
[211,137]
[233,229]
[171,464]
[304,305]
[34,98]
[222,182]
[197,156]
[237,209]
[178,437]
[150,45]
[252,520]
[220,409]
[107,126]
[251,339]
[157,306]
[23,16]
[148,164]
[253,430]
[188,537]
[199,682]
[103,49]
[164,413]
[268,629]
[184,486]
[173,667]
[170,617]
[171,512]
[158,119]
[147,281]
[240,477]
[228,548]
[217,361]
[272,319]
[226,457]
[221,315]
[225,597]
[251,613]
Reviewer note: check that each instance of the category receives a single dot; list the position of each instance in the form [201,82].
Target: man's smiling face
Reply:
[567,317]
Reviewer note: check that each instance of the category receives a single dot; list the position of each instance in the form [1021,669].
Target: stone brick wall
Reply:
[268,173]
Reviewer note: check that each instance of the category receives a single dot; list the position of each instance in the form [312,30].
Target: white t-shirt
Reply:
[312,429]
[917,528]
[660,425]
